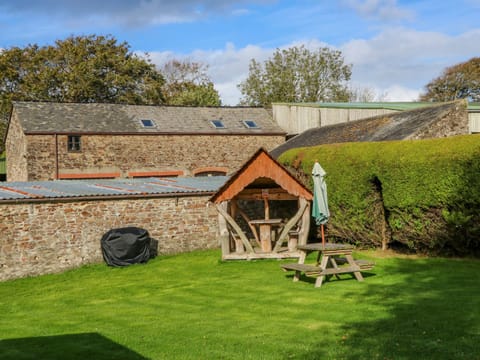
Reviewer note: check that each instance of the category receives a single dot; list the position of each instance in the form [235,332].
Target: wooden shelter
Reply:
[246,203]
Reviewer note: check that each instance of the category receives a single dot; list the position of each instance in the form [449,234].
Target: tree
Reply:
[365,94]
[461,81]
[78,69]
[187,83]
[361,94]
[297,75]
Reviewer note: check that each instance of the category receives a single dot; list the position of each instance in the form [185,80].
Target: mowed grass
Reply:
[193,306]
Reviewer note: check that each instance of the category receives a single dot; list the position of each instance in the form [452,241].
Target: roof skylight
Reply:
[218,124]
[147,123]
[250,124]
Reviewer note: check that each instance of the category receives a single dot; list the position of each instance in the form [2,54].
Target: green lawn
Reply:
[193,306]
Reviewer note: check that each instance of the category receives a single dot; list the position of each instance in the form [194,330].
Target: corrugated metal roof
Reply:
[121,187]
[44,117]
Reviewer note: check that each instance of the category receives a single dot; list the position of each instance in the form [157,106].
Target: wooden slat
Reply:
[237,228]
[88,176]
[302,267]
[262,255]
[247,220]
[155,173]
[290,224]
[317,270]
[363,264]
[273,194]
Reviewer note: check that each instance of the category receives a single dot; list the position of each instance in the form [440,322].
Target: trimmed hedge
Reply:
[423,195]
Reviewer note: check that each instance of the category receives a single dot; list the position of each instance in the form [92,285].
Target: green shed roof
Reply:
[474,106]
[406,105]
[367,105]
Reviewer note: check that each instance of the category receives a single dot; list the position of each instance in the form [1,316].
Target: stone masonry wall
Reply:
[453,122]
[41,158]
[48,237]
[16,148]
[141,153]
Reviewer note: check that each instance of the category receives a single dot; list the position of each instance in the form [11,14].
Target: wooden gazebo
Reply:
[245,204]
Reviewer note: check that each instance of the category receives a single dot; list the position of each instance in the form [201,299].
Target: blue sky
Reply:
[396,47]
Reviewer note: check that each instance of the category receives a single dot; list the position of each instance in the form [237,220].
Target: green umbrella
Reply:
[320,199]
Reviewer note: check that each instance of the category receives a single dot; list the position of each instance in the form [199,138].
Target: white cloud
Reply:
[401,61]
[396,63]
[399,93]
[227,67]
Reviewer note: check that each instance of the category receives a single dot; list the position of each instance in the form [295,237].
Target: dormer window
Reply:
[74,143]
[250,124]
[218,124]
[147,123]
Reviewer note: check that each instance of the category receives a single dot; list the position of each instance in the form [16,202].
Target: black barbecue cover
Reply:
[126,246]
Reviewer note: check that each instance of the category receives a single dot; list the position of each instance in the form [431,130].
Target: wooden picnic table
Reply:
[330,256]
[265,229]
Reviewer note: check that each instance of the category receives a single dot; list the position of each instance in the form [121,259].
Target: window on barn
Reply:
[147,123]
[210,173]
[74,143]
[250,124]
[218,124]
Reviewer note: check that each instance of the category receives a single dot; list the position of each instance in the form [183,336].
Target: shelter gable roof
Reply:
[46,117]
[256,172]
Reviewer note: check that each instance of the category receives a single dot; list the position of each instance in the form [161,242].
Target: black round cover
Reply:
[126,246]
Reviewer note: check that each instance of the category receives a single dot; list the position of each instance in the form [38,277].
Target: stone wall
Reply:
[16,149]
[454,121]
[47,237]
[124,154]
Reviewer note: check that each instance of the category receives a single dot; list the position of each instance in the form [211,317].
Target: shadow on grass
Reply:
[71,346]
[431,311]
[329,278]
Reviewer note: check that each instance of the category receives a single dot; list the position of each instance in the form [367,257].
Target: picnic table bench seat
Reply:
[307,269]
[363,264]
[312,269]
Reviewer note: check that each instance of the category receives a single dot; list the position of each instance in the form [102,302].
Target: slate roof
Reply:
[45,118]
[123,188]
[396,126]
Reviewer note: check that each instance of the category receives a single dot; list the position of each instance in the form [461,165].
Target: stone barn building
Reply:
[53,141]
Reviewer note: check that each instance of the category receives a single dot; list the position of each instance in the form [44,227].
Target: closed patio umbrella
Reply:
[320,199]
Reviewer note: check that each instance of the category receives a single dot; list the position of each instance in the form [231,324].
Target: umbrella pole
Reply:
[323,236]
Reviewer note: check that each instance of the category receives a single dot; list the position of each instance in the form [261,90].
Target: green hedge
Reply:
[423,195]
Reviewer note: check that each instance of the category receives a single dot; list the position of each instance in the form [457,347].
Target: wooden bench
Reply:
[312,270]
[307,269]
[362,264]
